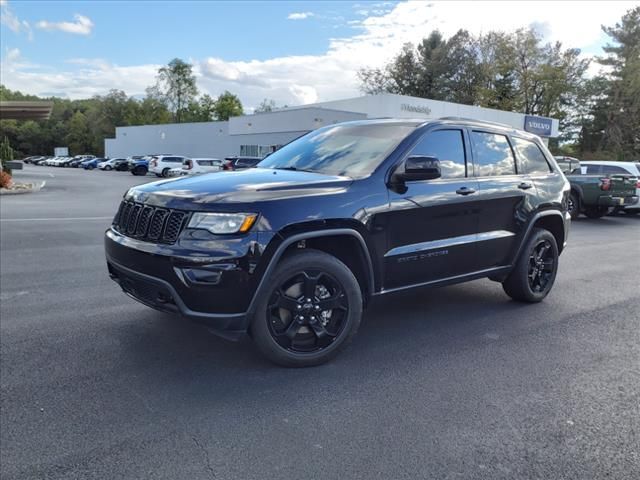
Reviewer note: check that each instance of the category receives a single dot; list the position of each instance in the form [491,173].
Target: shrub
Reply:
[5,180]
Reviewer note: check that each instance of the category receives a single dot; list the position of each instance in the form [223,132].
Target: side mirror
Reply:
[420,167]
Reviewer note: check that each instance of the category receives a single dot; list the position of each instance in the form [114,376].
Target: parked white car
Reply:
[109,164]
[195,166]
[605,167]
[161,165]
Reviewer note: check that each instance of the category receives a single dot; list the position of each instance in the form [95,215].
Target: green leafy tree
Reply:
[227,105]
[176,86]
[78,138]
[6,154]
[622,131]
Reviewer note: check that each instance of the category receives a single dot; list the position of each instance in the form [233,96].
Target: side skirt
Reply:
[496,272]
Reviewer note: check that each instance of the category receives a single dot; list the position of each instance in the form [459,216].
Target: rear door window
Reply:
[531,160]
[492,154]
[593,170]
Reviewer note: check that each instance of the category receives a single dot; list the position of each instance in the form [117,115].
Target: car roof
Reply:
[459,121]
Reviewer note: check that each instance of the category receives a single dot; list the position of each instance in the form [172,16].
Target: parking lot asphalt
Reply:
[454,383]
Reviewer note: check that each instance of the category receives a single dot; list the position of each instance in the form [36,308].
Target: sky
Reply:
[294,52]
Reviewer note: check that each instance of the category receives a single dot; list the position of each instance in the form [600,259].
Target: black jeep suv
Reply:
[293,251]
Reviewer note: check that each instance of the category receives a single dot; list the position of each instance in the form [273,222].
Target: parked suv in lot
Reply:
[293,251]
[161,165]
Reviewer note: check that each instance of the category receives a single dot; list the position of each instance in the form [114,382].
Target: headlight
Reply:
[223,223]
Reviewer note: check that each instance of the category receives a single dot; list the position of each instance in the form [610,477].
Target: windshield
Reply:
[348,150]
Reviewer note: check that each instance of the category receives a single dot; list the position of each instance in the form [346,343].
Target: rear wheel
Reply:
[311,311]
[596,212]
[574,205]
[165,172]
[535,270]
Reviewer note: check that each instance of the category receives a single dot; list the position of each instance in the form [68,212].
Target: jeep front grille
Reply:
[152,224]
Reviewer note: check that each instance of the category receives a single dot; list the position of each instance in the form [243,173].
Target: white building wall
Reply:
[222,139]
[403,106]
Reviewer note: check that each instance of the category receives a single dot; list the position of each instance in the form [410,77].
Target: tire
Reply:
[91,167]
[139,171]
[533,274]
[165,172]
[574,205]
[107,168]
[596,212]
[285,327]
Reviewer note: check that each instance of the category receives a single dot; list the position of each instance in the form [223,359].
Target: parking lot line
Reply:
[54,219]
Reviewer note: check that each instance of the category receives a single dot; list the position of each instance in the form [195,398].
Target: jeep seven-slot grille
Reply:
[148,223]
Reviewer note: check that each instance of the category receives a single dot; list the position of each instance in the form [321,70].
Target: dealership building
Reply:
[259,134]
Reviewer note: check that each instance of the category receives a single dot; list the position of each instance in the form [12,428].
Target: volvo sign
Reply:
[538,125]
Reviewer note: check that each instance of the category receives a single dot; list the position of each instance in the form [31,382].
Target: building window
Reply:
[257,150]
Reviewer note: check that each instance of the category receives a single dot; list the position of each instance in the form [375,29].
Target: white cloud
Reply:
[299,15]
[94,77]
[81,26]
[11,20]
[13,54]
[303,79]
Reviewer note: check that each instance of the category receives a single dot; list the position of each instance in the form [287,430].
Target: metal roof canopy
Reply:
[25,110]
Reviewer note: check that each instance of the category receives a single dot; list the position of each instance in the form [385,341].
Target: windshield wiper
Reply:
[292,169]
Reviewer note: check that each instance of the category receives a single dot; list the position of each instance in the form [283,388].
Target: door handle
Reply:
[465,191]
[525,186]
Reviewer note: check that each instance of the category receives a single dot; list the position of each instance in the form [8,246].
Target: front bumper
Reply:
[214,290]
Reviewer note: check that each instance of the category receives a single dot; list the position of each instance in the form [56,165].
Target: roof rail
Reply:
[479,121]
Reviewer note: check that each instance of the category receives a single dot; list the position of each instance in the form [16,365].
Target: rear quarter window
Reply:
[531,160]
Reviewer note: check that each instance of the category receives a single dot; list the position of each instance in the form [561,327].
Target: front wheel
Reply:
[596,212]
[139,171]
[311,311]
[107,168]
[165,172]
[535,270]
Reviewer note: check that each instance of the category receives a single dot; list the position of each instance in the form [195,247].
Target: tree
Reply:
[227,105]
[6,154]
[267,105]
[78,136]
[176,86]
[622,131]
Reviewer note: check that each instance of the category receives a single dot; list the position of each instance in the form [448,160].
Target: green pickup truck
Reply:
[596,195]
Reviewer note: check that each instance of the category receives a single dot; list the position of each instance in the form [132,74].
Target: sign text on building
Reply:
[415,108]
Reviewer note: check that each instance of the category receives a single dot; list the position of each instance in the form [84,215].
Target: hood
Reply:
[246,186]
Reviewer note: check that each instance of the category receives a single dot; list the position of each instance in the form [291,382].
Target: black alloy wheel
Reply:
[534,272]
[307,312]
[310,311]
[542,265]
